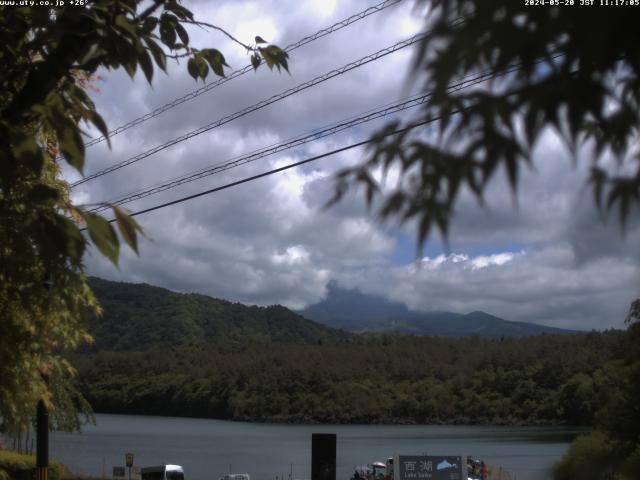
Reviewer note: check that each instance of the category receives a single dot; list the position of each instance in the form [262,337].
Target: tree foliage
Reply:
[46,55]
[612,449]
[140,316]
[377,378]
[578,73]
[570,69]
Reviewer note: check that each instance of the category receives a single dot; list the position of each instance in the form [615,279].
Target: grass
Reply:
[19,466]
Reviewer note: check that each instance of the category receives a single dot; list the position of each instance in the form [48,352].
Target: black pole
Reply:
[323,456]
[42,442]
[42,424]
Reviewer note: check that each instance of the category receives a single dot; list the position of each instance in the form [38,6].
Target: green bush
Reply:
[590,457]
[18,466]
[631,465]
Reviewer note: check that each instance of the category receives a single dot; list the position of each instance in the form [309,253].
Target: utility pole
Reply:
[42,442]
[42,425]
[323,456]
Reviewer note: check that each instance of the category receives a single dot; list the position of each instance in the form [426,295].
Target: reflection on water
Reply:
[208,449]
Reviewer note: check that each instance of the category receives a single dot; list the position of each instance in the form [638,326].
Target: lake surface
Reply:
[207,449]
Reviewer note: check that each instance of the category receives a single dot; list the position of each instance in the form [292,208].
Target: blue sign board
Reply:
[428,467]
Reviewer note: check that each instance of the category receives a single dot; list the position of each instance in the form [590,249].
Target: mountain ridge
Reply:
[138,316]
[357,312]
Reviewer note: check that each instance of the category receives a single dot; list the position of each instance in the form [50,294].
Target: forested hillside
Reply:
[548,379]
[166,353]
[141,316]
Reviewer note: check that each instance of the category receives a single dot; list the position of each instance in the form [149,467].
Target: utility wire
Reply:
[345,124]
[280,96]
[302,162]
[237,73]
[261,153]
[280,169]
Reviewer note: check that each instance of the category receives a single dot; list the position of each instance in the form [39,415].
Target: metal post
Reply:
[323,456]
[42,425]
[42,442]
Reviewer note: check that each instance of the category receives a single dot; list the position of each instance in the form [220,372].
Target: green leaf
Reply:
[150,24]
[78,95]
[275,57]
[125,25]
[267,57]
[597,178]
[255,61]
[259,39]
[75,242]
[60,236]
[103,236]
[146,64]
[158,54]
[54,107]
[72,146]
[192,68]
[128,57]
[128,227]
[424,227]
[215,59]
[41,193]
[203,68]
[98,121]
[94,52]
[182,33]
[129,5]
[180,11]
[26,151]
[167,31]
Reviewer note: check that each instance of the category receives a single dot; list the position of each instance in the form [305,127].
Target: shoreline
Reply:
[276,421]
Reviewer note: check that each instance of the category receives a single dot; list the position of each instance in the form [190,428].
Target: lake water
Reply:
[207,449]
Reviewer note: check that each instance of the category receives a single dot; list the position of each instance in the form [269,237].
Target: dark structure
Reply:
[323,456]
[42,441]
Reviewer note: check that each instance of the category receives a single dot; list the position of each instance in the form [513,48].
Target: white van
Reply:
[162,472]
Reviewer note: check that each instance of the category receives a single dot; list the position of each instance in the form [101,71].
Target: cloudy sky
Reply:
[550,260]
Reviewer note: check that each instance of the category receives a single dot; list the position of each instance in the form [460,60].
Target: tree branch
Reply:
[204,24]
[152,8]
[178,55]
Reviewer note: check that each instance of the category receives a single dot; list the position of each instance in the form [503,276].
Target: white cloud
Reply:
[498,259]
[466,262]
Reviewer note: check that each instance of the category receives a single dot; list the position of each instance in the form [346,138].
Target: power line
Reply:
[299,140]
[308,160]
[280,169]
[287,93]
[237,73]
[261,153]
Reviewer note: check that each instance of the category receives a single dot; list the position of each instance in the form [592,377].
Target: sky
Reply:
[548,258]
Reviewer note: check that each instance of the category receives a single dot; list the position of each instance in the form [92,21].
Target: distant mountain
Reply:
[140,316]
[355,311]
